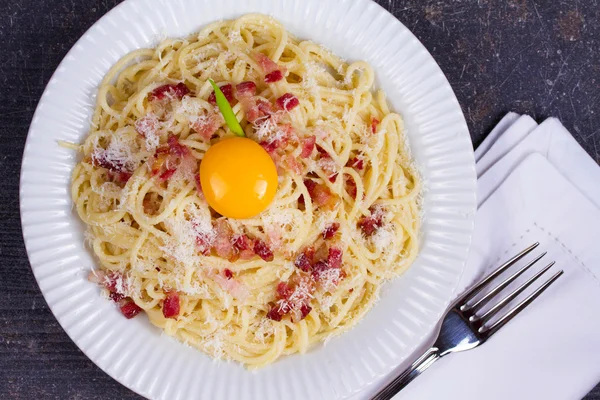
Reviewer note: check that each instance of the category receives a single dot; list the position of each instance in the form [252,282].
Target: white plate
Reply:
[133,352]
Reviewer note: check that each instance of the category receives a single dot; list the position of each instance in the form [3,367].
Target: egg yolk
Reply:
[238,178]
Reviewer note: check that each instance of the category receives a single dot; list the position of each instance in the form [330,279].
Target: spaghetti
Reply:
[345,217]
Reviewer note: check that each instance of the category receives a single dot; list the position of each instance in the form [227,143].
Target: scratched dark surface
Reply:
[536,57]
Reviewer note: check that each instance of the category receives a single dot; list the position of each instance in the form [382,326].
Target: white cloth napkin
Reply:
[536,184]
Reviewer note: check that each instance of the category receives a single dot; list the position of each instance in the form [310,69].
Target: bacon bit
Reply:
[356,163]
[100,160]
[227,90]
[284,291]
[331,230]
[241,242]
[305,309]
[334,259]
[128,308]
[293,297]
[177,148]
[275,313]
[147,126]
[374,124]
[170,307]
[228,273]
[274,76]
[308,145]
[167,174]
[333,177]
[310,186]
[206,125]
[304,260]
[263,251]
[288,102]
[116,297]
[270,146]
[322,196]
[265,63]
[351,187]
[233,286]
[159,160]
[264,107]
[293,164]
[169,91]
[370,224]
[111,280]
[245,89]
[223,242]
[318,269]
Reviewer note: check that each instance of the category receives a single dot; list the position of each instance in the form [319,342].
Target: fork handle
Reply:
[415,369]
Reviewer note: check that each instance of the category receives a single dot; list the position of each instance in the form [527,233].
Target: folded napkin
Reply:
[536,184]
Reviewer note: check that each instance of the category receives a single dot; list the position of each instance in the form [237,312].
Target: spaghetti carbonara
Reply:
[344,219]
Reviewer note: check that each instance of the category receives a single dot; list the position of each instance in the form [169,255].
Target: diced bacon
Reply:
[304,260]
[171,307]
[334,259]
[265,63]
[169,91]
[244,246]
[356,163]
[333,178]
[263,251]
[264,107]
[293,297]
[233,286]
[274,76]
[245,89]
[206,125]
[320,194]
[167,174]
[270,146]
[371,223]
[100,160]
[374,124]
[293,164]
[227,90]
[308,145]
[228,273]
[284,291]
[177,148]
[276,312]
[116,297]
[111,281]
[305,309]
[159,160]
[128,308]
[318,268]
[288,102]
[351,187]
[147,126]
[123,177]
[223,243]
[330,230]
[241,242]
[310,186]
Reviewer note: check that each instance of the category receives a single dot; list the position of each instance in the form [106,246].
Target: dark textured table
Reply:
[536,57]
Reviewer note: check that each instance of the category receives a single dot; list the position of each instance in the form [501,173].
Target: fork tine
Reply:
[477,288]
[481,302]
[492,311]
[488,332]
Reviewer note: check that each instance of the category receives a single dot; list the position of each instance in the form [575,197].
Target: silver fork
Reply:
[462,328]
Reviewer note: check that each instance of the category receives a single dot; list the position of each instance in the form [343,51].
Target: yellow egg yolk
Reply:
[238,178]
